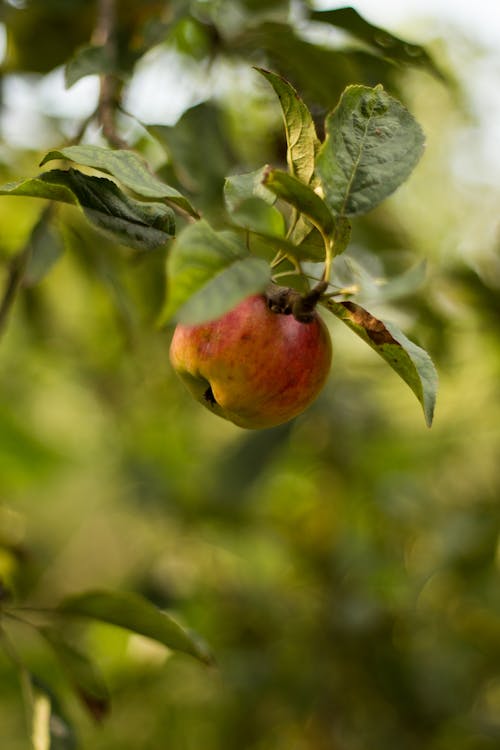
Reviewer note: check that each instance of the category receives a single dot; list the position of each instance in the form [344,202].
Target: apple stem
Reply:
[286,301]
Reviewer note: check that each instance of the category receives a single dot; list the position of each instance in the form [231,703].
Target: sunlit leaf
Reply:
[134,613]
[411,362]
[127,167]
[40,187]
[301,137]
[372,145]
[209,273]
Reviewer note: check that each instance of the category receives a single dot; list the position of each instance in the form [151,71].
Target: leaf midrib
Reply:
[356,165]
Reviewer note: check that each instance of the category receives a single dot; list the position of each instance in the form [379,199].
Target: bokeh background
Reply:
[344,567]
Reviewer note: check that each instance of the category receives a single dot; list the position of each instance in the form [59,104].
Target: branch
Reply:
[12,285]
[109,95]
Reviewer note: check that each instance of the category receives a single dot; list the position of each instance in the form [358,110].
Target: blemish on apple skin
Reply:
[209,396]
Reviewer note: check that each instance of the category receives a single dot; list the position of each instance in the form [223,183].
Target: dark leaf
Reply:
[87,60]
[144,226]
[372,145]
[389,46]
[134,223]
[319,73]
[199,151]
[127,167]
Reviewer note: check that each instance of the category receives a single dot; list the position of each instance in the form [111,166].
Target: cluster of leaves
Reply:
[49,727]
[372,144]
[277,224]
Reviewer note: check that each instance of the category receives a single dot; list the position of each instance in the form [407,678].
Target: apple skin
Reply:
[252,366]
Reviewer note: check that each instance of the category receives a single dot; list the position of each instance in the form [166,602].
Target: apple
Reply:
[254,366]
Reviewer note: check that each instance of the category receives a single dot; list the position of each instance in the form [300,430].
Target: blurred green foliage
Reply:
[344,568]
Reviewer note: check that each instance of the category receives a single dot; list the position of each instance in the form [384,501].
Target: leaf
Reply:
[81,672]
[88,60]
[301,197]
[381,291]
[44,248]
[144,226]
[127,167]
[389,46]
[40,187]
[134,613]
[201,130]
[411,362]
[372,145]
[209,273]
[301,137]
[256,215]
[241,187]
[320,73]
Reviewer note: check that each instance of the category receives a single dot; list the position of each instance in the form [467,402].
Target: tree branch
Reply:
[12,284]
[109,95]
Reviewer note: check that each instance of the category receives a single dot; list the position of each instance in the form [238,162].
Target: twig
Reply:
[12,284]
[105,35]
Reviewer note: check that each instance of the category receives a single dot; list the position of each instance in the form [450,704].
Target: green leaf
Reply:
[134,613]
[378,290]
[256,215]
[309,242]
[82,673]
[389,46]
[301,138]
[301,197]
[138,224]
[127,167]
[88,60]
[372,145]
[199,150]
[411,362]
[241,187]
[144,226]
[40,187]
[44,248]
[209,273]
